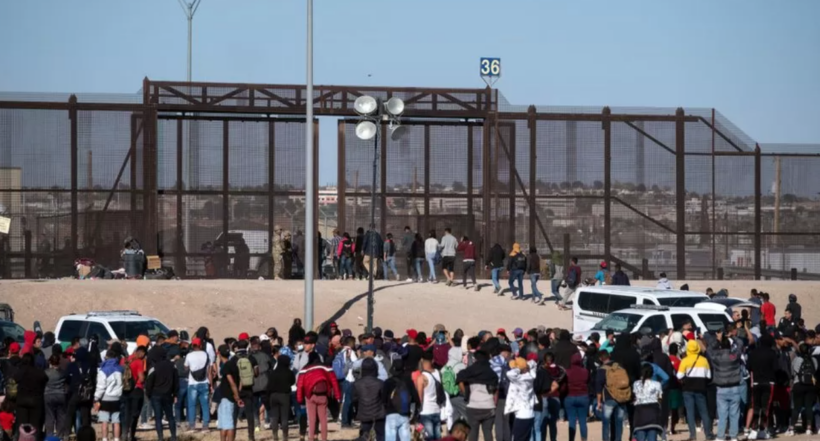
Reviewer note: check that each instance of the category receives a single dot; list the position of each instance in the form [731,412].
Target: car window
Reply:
[12,330]
[713,322]
[593,302]
[70,329]
[647,302]
[129,331]
[99,330]
[618,322]
[617,303]
[656,323]
[687,302]
[679,319]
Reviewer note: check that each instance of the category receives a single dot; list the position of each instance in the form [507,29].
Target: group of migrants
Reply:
[758,372]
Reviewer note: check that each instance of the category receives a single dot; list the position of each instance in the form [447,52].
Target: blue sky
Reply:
[757,62]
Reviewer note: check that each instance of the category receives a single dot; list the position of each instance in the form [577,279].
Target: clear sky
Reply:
[756,61]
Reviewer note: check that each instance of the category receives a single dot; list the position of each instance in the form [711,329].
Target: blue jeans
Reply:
[496,272]
[418,261]
[163,406]
[728,406]
[646,435]
[577,408]
[198,393]
[396,428]
[431,262]
[182,393]
[390,262]
[432,426]
[517,275]
[614,414]
[347,402]
[554,284]
[693,401]
[346,265]
[552,413]
[538,420]
[534,282]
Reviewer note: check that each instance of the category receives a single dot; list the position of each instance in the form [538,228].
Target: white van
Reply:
[594,303]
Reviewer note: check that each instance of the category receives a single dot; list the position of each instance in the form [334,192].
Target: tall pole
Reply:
[310,192]
[372,229]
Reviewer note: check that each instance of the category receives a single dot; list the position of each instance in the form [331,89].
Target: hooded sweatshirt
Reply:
[163,378]
[496,257]
[577,377]
[625,355]
[763,361]
[694,370]
[281,378]
[663,283]
[367,393]
[564,350]
[109,381]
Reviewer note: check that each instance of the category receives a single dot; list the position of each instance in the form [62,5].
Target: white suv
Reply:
[659,318]
[108,325]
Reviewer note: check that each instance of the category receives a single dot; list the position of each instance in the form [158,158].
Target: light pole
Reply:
[310,191]
[189,7]
[373,111]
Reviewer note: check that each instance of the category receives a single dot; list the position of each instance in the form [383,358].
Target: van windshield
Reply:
[129,331]
[618,322]
[686,302]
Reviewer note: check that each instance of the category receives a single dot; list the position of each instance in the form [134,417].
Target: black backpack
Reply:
[402,398]
[441,395]
[87,387]
[520,261]
[806,373]
[391,248]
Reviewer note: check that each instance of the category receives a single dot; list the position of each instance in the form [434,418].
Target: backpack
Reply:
[347,248]
[245,371]
[520,261]
[806,373]
[448,381]
[617,384]
[341,364]
[607,278]
[572,277]
[320,388]
[86,390]
[401,398]
[11,388]
[263,361]
[441,396]
[128,381]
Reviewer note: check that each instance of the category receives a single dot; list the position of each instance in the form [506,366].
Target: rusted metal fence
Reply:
[675,190]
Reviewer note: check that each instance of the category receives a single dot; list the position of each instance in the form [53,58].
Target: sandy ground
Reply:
[229,307]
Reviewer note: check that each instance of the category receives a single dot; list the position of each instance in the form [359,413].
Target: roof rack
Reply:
[650,307]
[112,313]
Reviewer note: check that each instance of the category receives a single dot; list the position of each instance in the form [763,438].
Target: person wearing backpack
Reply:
[246,372]
[368,399]
[264,362]
[108,394]
[342,367]
[400,398]
[389,261]
[613,390]
[431,394]
[315,384]
[196,365]
[161,387]
[133,394]
[55,398]
[804,389]
[229,390]
[727,377]
[516,266]
[695,372]
[81,377]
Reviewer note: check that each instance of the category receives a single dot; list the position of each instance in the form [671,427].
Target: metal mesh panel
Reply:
[38,143]
[103,149]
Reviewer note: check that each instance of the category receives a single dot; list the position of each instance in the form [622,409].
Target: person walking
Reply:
[804,392]
[620,278]
[373,251]
[521,398]
[647,393]
[161,386]
[495,263]
[407,240]
[573,279]
[516,266]
[448,246]
[726,364]
[333,245]
[467,249]
[418,256]
[400,399]
[576,404]
[556,276]
[534,270]
[390,257]
[55,399]
[314,385]
[346,253]
[431,253]
[694,373]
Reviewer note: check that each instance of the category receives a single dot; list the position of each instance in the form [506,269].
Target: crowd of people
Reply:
[756,373]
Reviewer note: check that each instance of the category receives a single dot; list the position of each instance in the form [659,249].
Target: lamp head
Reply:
[365,105]
[366,130]
[394,106]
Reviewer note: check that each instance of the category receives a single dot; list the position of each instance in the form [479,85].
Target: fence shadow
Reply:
[348,304]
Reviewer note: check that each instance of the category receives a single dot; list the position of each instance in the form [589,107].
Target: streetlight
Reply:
[373,113]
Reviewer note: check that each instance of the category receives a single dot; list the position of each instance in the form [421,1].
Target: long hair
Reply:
[646,372]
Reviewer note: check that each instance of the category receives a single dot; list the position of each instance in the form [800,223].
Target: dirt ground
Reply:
[229,307]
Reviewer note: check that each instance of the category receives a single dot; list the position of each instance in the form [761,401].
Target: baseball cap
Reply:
[347,333]
[412,333]
[482,334]
[14,348]
[518,331]
[500,331]
[369,348]
[377,332]
[244,336]
[333,325]
[196,341]
[311,338]
[388,334]
[603,264]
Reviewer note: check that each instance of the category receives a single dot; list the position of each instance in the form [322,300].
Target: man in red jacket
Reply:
[314,385]
[467,248]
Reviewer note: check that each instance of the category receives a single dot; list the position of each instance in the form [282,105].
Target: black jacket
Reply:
[563,351]
[625,355]
[373,245]
[496,257]
[533,263]
[31,382]
[763,364]
[367,393]
[725,368]
[163,380]
[619,278]
[281,377]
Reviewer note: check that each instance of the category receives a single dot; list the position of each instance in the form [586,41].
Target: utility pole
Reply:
[189,7]
[310,190]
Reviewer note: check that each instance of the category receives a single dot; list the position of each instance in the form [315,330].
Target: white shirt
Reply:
[195,361]
[431,245]
[429,404]
[353,358]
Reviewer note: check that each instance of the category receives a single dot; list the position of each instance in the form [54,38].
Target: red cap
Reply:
[532,356]
[603,264]
[244,336]
[333,325]
[69,351]
[196,341]
[501,331]
[412,333]
[14,348]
